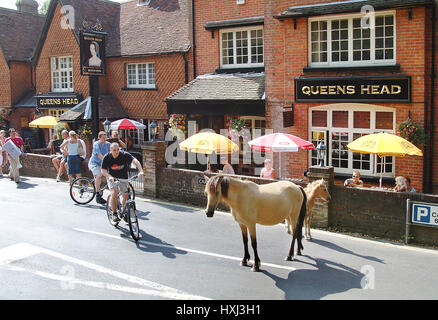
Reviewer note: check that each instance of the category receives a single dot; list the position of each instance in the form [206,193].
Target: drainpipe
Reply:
[186,67]
[432,101]
[193,39]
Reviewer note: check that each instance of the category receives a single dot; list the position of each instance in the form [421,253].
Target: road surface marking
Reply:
[23,250]
[211,254]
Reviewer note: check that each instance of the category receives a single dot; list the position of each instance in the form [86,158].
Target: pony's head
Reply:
[321,189]
[215,189]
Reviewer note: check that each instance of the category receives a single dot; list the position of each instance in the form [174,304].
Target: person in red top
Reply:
[14,172]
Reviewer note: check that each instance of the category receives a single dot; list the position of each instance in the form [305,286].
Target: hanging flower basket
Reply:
[85,132]
[4,120]
[237,129]
[177,123]
[412,132]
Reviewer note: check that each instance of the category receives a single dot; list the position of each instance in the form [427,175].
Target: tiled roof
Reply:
[109,107]
[161,26]
[19,33]
[240,86]
[164,27]
[347,6]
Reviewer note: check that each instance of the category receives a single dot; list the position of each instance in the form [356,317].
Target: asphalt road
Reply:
[51,248]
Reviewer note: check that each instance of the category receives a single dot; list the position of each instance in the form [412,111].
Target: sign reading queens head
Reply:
[354,89]
[92,53]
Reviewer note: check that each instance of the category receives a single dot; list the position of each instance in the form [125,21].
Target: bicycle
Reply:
[127,214]
[82,190]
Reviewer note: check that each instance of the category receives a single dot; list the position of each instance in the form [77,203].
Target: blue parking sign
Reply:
[424,213]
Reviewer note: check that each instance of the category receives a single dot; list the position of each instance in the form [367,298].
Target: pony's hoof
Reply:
[299,253]
[243,263]
[309,238]
[289,258]
[255,269]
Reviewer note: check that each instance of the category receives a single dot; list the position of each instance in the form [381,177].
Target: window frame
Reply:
[234,31]
[70,75]
[137,85]
[329,129]
[351,62]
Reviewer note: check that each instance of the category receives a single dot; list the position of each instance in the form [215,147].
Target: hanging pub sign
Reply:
[92,45]
[354,89]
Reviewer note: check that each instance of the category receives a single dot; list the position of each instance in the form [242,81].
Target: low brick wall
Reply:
[378,213]
[184,185]
[38,165]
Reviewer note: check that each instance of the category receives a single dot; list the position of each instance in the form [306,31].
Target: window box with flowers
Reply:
[412,132]
[4,120]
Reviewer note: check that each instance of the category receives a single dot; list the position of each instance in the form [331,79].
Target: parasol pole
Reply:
[382,159]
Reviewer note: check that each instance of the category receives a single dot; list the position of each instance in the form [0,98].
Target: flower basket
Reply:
[237,129]
[412,132]
[4,120]
[85,132]
[177,123]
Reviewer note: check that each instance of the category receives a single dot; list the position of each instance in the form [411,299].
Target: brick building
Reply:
[19,33]
[147,54]
[342,68]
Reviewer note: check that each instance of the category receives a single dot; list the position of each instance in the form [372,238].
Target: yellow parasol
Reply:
[209,142]
[44,122]
[384,145]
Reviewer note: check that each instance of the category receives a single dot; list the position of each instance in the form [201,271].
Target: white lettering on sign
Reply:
[425,213]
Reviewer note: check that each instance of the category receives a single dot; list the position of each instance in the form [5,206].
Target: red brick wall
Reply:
[435,132]
[207,52]
[146,103]
[20,80]
[286,56]
[5,83]
[59,42]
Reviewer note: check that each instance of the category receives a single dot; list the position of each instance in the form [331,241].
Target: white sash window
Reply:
[62,74]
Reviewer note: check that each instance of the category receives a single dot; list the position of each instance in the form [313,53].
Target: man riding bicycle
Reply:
[115,165]
[100,148]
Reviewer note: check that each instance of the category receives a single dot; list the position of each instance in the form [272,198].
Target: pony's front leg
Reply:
[252,232]
[246,255]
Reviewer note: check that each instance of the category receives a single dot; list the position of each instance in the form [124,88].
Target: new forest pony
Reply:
[267,204]
[316,189]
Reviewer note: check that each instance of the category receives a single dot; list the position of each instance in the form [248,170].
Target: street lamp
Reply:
[321,153]
[153,129]
[107,126]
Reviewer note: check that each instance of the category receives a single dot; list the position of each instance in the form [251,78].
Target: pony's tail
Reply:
[301,219]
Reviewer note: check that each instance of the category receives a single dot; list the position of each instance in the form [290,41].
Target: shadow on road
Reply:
[328,278]
[25,185]
[335,247]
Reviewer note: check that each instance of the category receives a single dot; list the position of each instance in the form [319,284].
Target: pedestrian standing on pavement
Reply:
[14,171]
[75,150]
[2,142]
[100,148]
[60,161]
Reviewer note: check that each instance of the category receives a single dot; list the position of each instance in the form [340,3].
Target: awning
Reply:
[320,9]
[212,25]
[27,101]
[221,94]
[109,107]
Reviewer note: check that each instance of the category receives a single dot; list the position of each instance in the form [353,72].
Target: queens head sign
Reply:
[92,53]
[353,89]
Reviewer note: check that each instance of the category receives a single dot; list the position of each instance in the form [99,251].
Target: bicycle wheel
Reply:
[82,190]
[110,213]
[133,221]
[131,192]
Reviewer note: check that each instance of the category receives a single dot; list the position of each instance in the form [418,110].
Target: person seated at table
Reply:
[409,188]
[210,168]
[115,135]
[227,168]
[268,171]
[354,181]
[400,184]
[128,141]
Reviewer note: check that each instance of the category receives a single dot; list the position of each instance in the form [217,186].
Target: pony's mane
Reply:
[314,185]
[217,181]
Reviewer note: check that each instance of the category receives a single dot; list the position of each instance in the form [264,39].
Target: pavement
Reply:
[52,248]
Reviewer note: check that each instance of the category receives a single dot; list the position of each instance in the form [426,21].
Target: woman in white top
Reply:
[268,171]
[76,151]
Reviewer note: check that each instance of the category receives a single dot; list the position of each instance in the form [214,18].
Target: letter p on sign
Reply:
[422,214]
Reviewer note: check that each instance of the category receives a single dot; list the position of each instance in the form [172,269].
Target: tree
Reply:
[44,7]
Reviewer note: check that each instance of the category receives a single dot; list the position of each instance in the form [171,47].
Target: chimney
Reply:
[29,6]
